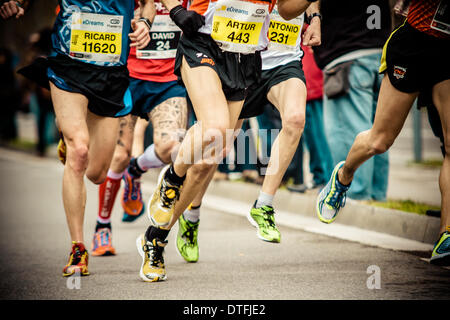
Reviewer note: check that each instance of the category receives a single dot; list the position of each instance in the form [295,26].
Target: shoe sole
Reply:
[149,215]
[141,273]
[442,260]
[131,218]
[253,223]
[105,253]
[83,274]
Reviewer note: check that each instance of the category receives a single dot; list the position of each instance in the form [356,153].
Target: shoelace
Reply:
[337,200]
[136,188]
[167,202]
[189,234]
[76,256]
[104,237]
[154,254]
[268,217]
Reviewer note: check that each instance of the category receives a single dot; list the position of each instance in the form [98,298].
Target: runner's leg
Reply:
[103,132]
[289,97]
[441,98]
[139,137]
[392,109]
[71,112]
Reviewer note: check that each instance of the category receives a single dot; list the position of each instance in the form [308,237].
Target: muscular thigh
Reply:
[288,96]
[71,112]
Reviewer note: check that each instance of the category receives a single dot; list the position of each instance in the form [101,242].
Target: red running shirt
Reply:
[160,69]
[421,16]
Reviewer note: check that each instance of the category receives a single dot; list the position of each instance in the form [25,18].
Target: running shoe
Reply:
[62,150]
[332,197]
[441,252]
[132,203]
[187,243]
[161,204]
[102,243]
[264,221]
[78,261]
[152,268]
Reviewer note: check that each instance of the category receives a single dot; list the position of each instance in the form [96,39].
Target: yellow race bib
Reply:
[96,37]
[284,35]
[237,25]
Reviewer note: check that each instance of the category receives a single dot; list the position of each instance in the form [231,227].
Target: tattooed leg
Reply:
[169,127]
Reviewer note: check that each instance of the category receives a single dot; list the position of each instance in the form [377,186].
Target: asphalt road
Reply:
[233,264]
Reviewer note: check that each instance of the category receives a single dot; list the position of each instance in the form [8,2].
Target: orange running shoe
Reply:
[62,149]
[78,261]
[102,243]
[132,203]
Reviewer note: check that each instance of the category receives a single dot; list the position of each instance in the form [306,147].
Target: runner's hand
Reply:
[312,35]
[10,9]
[140,36]
[187,20]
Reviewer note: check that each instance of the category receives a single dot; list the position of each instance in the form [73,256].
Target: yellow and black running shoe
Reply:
[78,261]
[152,268]
[162,203]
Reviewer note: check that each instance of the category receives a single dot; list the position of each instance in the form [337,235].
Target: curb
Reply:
[355,214]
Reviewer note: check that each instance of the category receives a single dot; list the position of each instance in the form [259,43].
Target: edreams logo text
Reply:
[93,23]
[233,9]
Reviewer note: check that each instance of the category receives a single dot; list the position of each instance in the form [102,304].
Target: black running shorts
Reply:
[414,60]
[237,72]
[257,96]
[106,88]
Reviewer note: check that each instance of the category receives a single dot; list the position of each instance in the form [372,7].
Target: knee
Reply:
[77,153]
[165,149]
[122,157]
[294,123]
[216,131]
[379,144]
[97,177]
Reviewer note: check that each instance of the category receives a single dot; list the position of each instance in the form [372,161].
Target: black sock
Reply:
[192,207]
[102,225]
[134,169]
[156,233]
[173,177]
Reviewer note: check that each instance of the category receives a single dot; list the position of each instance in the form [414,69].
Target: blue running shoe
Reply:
[441,251]
[332,198]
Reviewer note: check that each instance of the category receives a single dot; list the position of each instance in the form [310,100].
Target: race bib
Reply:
[441,19]
[237,25]
[164,37]
[96,37]
[284,35]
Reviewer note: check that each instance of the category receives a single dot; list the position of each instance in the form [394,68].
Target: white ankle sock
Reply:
[264,199]
[193,215]
[149,159]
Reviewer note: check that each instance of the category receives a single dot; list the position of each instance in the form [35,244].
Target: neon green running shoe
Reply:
[187,239]
[264,221]
[441,252]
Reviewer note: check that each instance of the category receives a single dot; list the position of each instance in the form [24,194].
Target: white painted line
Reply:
[283,218]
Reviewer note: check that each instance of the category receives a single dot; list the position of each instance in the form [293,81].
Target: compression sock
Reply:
[107,193]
